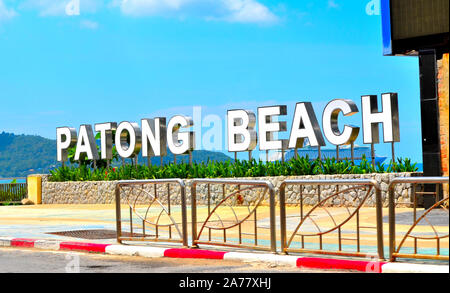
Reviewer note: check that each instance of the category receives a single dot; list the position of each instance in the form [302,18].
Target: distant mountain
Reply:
[197,156]
[21,155]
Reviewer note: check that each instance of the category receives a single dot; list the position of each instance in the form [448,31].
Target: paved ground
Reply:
[38,221]
[437,218]
[13,260]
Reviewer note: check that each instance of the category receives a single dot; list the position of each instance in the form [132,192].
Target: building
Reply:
[421,28]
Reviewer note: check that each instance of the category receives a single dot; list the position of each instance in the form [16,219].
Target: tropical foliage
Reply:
[227,169]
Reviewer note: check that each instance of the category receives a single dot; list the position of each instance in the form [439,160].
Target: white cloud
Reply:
[88,24]
[5,12]
[245,11]
[248,11]
[58,7]
[150,7]
[241,11]
[45,7]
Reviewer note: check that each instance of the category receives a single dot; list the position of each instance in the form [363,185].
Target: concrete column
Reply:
[34,185]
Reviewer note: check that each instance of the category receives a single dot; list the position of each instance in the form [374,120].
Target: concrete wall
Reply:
[103,192]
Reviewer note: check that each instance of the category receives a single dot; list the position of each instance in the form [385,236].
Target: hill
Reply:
[21,155]
[197,156]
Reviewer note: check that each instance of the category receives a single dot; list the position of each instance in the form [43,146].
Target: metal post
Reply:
[131,221]
[184,214]
[249,156]
[320,158]
[118,216]
[143,229]
[353,152]
[169,207]
[194,214]
[283,217]
[393,151]
[273,234]
[372,151]
[209,209]
[190,158]
[391,223]
[379,207]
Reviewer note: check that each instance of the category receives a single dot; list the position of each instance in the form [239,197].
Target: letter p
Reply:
[66,138]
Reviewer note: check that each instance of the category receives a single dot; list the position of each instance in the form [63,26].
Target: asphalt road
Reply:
[13,260]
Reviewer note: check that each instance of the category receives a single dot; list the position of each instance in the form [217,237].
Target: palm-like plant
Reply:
[213,169]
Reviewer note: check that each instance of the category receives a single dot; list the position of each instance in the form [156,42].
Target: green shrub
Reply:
[212,169]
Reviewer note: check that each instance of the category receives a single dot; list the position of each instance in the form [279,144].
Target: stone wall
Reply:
[103,192]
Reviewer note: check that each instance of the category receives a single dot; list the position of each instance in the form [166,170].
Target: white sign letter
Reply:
[267,128]
[154,137]
[106,139]
[180,143]
[241,133]
[128,139]
[388,117]
[66,138]
[305,125]
[86,143]
[330,122]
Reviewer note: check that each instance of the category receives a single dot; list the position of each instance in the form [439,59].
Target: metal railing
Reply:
[301,229]
[13,192]
[394,251]
[249,221]
[246,225]
[150,217]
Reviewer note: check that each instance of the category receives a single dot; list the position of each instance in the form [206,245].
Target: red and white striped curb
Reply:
[301,262]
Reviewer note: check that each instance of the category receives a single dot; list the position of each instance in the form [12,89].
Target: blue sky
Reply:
[119,60]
